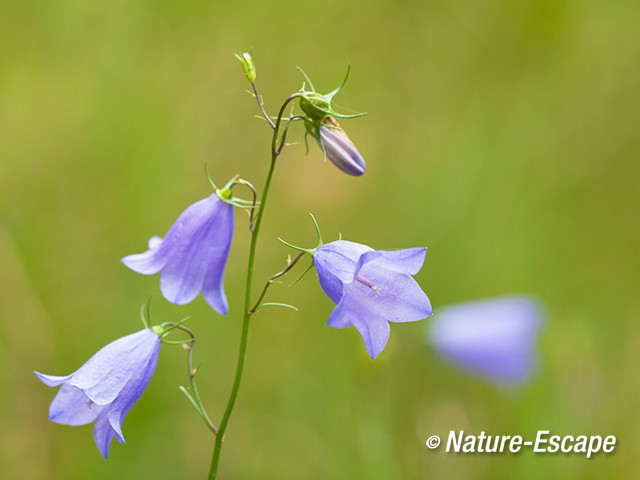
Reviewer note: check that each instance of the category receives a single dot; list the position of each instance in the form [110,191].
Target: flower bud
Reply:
[247,65]
[339,148]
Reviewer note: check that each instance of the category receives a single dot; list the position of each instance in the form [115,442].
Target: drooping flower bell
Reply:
[494,338]
[371,288]
[106,387]
[321,124]
[193,254]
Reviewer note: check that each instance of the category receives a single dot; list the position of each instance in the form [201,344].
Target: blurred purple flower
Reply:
[106,387]
[495,338]
[192,255]
[340,149]
[371,288]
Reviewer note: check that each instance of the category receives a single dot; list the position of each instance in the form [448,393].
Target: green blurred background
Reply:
[503,135]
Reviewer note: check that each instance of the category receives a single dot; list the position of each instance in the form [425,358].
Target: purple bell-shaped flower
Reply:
[494,338]
[192,255]
[371,288]
[105,388]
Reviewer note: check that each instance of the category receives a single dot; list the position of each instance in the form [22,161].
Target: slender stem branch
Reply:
[259,100]
[244,335]
[286,129]
[192,376]
[275,152]
[255,198]
[290,265]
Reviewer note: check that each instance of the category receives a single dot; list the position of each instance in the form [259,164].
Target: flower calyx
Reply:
[224,194]
[317,106]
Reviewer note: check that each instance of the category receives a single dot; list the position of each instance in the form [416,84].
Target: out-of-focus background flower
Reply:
[502,135]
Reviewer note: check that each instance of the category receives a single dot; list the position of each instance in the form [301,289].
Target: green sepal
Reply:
[307,270]
[224,194]
[275,304]
[309,251]
[165,328]
[316,105]
[145,313]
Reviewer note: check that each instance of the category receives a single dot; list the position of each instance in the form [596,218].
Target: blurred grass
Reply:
[502,135]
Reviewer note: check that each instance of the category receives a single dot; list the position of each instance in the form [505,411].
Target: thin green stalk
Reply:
[292,263]
[244,336]
[195,397]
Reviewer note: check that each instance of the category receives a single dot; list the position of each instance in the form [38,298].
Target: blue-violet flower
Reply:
[371,288]
[106,387]
[339,148]
[192,255]
[494,338]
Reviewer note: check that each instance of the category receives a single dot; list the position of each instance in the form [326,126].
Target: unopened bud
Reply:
[247,65]
[339,148]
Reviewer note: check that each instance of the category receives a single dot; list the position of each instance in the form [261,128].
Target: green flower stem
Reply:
[244,336]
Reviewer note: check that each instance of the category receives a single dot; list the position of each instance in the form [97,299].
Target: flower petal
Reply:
[336,263]
[127,368]
[495,338]
[177,238]
[213,288]
[109,358]
[373,328]
[103,361]
[71,406]
[103,433]
[408,261]
[52,380]
[394,296]
[342,153]
[154,242]
[130,394]
[205,254]
[146,263]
